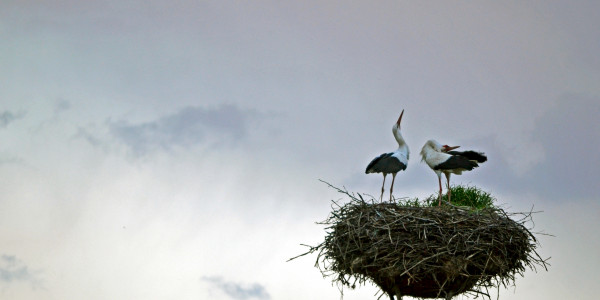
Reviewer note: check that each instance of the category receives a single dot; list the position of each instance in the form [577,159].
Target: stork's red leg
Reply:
[448,187]
[382,187]
[440,182]
[392,187]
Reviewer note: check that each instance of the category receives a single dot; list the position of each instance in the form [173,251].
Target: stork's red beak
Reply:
[447,148]
[400,119]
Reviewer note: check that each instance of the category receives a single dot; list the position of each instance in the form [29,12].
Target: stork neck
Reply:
[402,146]
[399,139]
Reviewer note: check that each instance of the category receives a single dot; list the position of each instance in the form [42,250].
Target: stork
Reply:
[441,159]
[392,162]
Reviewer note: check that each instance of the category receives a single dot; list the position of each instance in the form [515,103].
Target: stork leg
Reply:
[440,194]
[382,187]
[392,187]
[448,187]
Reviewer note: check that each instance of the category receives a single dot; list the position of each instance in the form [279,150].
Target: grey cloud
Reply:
[13,270]
[570,135]
[187,127]
[83,133]
[10,159]
[62,105]
[8,117]
[238,291]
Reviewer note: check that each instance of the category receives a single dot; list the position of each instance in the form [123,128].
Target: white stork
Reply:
[441,159]
[391,162]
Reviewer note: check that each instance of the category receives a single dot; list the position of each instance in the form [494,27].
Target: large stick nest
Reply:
[425,252]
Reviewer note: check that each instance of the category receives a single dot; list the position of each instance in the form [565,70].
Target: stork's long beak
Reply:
[449,148]
[400,119]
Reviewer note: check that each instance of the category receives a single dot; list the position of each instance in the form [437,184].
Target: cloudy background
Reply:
[172,149]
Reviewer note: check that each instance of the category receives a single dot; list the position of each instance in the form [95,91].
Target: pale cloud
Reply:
[559,162]
[7,117]
[85,134]
[238,291]
[13,269]
[187,127]
[570,135]
[62,106]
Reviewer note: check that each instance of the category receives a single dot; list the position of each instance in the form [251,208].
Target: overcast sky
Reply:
[173,149]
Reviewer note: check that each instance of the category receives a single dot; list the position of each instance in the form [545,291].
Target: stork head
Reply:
[433,145]
[429,148]
[397,124]
[446,148]
[398,135]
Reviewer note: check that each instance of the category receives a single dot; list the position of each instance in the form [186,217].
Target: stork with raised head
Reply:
[441,159]
[392,162]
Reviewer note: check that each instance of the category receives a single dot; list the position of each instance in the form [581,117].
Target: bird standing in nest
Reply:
[441,159]
[392,162]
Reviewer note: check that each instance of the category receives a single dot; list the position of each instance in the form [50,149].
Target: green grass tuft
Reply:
[465,196]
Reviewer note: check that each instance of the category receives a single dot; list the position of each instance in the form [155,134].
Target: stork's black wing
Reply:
[457,162]
[385,163]
[471,155]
